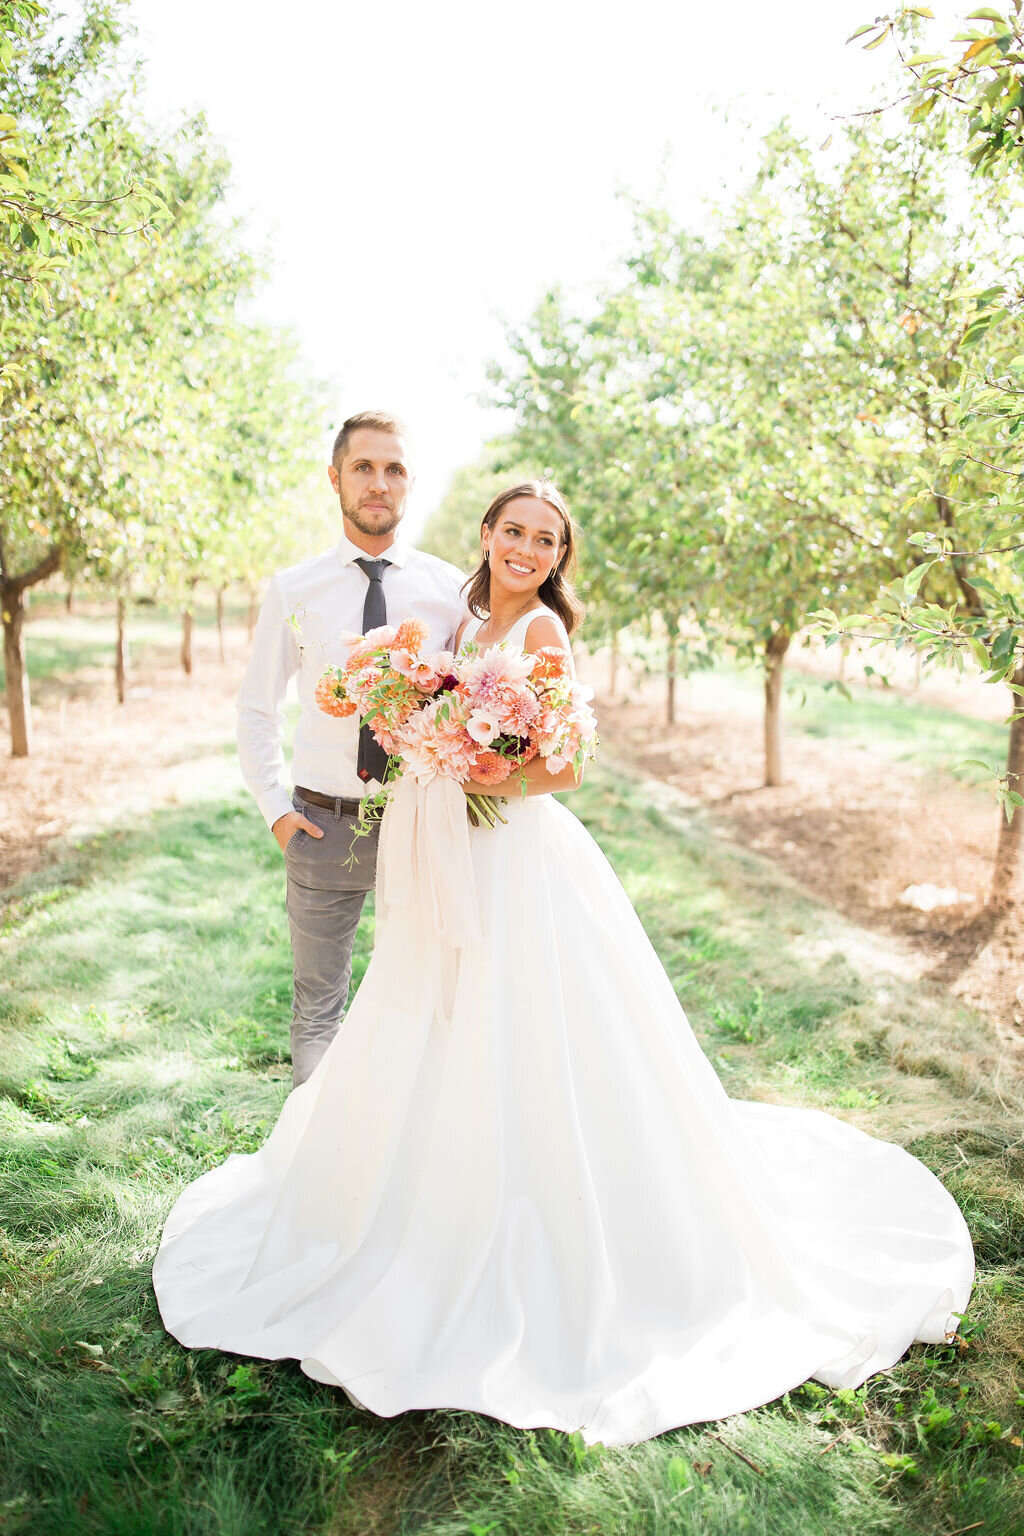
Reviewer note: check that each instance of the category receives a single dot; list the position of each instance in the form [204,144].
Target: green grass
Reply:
[892,724]
[62,650]
[144,1008]
[904,729]
[901,728]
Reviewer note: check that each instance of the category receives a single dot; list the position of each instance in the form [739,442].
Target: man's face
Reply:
[373,481]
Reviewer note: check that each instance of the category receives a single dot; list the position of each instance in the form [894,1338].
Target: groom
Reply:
[371,577]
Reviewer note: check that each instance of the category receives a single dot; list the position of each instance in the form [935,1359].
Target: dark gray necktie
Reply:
[373,760]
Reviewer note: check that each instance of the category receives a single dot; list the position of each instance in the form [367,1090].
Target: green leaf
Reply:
[922,108]
[1003,646]
[878,41]
[986,13]
[913,579]
[868,26]
[979,653]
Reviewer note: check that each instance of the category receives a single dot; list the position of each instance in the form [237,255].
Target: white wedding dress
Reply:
[515,1185]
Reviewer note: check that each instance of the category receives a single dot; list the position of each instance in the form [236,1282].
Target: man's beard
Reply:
[372,524]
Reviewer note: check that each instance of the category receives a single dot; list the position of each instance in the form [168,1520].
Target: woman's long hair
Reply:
[557,591]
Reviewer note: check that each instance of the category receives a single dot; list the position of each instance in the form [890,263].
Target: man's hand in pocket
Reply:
[286,826]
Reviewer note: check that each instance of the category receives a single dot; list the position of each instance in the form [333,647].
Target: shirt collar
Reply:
[396,553]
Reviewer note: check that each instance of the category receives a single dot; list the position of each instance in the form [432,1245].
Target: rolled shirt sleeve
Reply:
[275,658]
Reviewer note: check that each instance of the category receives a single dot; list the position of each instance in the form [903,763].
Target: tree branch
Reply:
[45,567]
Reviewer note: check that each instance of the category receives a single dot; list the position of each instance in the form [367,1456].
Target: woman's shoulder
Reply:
[545,628]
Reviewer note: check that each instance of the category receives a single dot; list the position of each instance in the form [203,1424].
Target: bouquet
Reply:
[478,717]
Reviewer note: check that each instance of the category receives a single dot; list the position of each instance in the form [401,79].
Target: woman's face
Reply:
[524,545]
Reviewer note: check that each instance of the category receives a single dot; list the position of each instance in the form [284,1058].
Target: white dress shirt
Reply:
[305,610]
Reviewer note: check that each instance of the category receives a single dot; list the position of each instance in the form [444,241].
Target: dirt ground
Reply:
[94,761]
[853,828]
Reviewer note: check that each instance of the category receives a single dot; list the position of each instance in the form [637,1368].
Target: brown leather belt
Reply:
[339,804]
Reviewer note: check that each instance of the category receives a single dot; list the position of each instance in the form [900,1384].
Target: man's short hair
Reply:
[374,421]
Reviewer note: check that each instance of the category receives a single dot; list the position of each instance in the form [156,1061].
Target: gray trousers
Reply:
[324,903]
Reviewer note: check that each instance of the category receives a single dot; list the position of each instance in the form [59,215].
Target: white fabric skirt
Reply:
[515,1185]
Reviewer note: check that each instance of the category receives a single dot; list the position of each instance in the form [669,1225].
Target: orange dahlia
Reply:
[411,635]
[552,662]
[330,696]
[490,768]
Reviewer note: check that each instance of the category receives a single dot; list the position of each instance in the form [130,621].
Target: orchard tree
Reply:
[67,187]
[966,596]
[692,414]
[50,138]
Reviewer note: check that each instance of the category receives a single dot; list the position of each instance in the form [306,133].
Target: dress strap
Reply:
[517,634]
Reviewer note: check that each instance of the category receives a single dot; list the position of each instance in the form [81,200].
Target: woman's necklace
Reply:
[523,609]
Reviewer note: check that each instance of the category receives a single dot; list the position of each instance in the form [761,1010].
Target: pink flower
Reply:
[417,744]
[555,763]
[425,675]
[383,635]
[456,748]
[404,662]
[432,746]
[487,675]
[519,711]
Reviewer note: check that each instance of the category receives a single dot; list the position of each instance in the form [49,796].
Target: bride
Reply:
[514,1183]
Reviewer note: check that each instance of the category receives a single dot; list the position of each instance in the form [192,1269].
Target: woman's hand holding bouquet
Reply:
[479,717]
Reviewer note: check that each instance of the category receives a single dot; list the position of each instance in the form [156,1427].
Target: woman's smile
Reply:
[525,542]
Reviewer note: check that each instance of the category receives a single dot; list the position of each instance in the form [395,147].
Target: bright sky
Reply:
[423,174]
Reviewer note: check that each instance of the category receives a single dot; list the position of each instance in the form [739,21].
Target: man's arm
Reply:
[275,657]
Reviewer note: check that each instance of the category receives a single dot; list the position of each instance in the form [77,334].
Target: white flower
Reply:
[482,726]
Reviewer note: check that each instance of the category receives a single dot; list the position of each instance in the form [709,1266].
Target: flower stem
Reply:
[483,808]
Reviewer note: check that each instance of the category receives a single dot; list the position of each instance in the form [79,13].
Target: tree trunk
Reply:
[613,665]
[220,626]
[775,648]
[186,641]
[186,628]
[253,613]
[121,651]
[19,704]
[12,605]
[671,673]
[1006,877]
[69,598]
